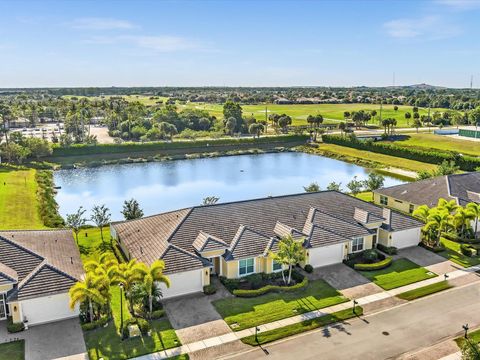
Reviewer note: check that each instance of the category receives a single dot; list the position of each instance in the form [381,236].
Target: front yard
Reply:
[14,350]
[452,252]
[400,273]
[244,313]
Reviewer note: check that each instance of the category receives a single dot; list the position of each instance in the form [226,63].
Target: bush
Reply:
[230,284]
[14,327]
[95,324]
[375,266]
[270,288]
[370,255]
[143,325]
[389,250]
[468,250]
[157,314]
[308,268]
[435,249]
[255,280]
[48,206]
[209,289]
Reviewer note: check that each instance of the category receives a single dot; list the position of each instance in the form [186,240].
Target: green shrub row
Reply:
[270,288]
[48,206]
[433,156]
[389,250]
[209,289]
[14,327]
[129,147]
[157,314]
[95,324]
[468,250]
[375,266]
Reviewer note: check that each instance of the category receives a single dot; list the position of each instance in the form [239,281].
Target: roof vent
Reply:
[71,260]
[360,215]
[141,250]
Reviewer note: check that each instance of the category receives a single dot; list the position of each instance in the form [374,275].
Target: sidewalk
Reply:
[228,338]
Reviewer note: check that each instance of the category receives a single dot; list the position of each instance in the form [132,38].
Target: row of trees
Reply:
[373,182]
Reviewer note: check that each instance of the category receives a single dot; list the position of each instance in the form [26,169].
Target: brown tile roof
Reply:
[320,236]
[207,242]
[147,239]
[7,275]
[178,260]
[429,191]
[18,258]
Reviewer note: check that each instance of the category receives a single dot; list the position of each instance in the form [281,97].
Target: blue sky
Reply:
[239,43]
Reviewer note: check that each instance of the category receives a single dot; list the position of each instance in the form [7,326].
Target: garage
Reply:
[406,238]
[326,255]
[183,283]
[47,309]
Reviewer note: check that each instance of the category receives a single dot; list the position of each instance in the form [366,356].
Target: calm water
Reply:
[163,186]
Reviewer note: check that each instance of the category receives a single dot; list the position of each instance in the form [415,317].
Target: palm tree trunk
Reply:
[289,274]
[150,303]
[90,308]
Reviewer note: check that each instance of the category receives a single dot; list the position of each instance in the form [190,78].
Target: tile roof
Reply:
[207,242]
[428,192]
[7,275]
[248,226]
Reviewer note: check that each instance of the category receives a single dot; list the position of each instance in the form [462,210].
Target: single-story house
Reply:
[463,188]
[234,239]
[37,268]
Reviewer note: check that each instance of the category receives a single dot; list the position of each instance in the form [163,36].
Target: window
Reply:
[246,266]
[383,200]
[411,208]
[357,244]
[276,266]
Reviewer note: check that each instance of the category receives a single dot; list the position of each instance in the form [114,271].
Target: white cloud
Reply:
[428,27]
[460,4]
[95,23]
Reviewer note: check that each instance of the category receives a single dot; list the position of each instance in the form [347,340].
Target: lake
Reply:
[170,185]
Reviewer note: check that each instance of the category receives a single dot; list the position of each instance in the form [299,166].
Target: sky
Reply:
[239,43]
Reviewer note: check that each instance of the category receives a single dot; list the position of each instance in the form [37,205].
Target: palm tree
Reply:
[151,277]
[127,274]
[290,252]
[475,210]
[450,206]
[89,290]
[461,220]
[422,213]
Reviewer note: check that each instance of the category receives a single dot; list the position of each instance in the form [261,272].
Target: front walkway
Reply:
[50,341]
[235,336]
[429,260]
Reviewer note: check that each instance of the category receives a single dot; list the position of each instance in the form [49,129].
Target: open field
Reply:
[441,142]
[332,113]
[18,200]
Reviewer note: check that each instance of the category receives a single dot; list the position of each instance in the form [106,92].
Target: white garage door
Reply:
[406,238]
[326,255]
[184,283]
[47,309]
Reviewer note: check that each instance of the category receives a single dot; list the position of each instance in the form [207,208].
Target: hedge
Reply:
[389,250]
[95,324]
[131,147]
[48,207]
[14,327]
[375,266]
[270,288]
[467,163]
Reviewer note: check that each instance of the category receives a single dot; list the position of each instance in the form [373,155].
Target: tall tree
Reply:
[131,210]
[76,221]
[312,187]
[290,252]
[374,181]
[151,276]
[101,217]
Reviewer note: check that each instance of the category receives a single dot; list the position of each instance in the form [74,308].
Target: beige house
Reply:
[234,239]
[37,268]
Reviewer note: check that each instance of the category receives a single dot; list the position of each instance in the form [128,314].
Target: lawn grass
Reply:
[14,350]
[424,291]
[249,312]
[365,196]
[106,343]
[474,337]
[91,245]
[283,332]
[452,252]
[441,142]
[354,155]
[18,200]
[402,272]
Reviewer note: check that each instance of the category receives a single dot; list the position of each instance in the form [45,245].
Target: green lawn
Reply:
[91,244]
[18,200]
[14,350]
[402,272]
[452,252]
[272,335]
[249,312]
[441,142]
[106,343]
[474,337]
[424,291]
[365,196]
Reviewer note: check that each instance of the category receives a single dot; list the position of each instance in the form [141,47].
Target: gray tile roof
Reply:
[7,275]
[428,192]
[248,226]
[18,258]
[207,242]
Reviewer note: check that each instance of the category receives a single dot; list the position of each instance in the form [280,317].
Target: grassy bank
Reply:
[424,291]
[19,203]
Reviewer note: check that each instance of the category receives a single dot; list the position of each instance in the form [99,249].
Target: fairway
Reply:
[18,200]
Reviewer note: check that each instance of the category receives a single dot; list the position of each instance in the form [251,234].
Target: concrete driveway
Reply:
[349,282]
[428,259]
[50,341]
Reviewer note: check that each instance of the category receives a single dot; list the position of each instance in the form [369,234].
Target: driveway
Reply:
[50,341]
[429,260]
[349,282]
[194,318]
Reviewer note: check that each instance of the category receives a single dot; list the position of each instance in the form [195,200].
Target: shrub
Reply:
[375,266]
[209,289]
[48,206]
[270,288]
[255,280]
[230,284]
[370,255]
[157,314]
[308,268]
[435,249]
[95,324]
[389,250]
[143,325]
[14,327]
[468,250]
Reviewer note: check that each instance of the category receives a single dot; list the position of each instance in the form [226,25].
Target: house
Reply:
[37,268]
[234,239]
[463,188]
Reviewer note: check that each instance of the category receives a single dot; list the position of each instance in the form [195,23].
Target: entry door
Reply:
[3,307]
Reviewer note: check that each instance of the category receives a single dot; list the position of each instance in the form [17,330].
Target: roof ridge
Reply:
[32,274]
[339,219]
[35,230]
[8,276]
[14,243]
[151,216]
[190,210]
[186,252]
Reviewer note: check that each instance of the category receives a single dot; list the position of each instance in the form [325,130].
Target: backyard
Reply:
[244,313]
[400,273]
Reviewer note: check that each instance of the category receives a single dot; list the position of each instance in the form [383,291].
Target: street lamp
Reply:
[465,327]
[121,309]
[355,302]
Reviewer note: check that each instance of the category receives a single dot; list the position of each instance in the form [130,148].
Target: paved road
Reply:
[387,334]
